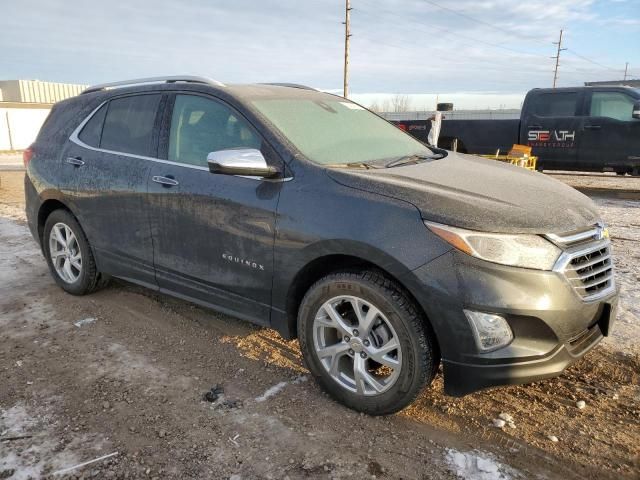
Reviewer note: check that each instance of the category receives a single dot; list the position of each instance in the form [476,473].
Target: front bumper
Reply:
[552,326]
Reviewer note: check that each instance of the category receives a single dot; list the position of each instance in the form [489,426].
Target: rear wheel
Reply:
[365,342]
[69,256]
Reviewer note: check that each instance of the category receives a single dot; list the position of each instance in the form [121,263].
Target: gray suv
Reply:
[305,212]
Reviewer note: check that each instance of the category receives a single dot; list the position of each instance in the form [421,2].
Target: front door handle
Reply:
[537,127]
[592,127]
[165,181]
[75,161]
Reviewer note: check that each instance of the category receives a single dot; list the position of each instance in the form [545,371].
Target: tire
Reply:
[75,280]
[395,317]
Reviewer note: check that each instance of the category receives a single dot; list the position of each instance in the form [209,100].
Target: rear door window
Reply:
[92,131]
[201,125]
[613,105]
[561,104]
[128,124]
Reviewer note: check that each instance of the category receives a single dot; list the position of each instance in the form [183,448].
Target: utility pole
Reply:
[557,57]
[347,35]
[626,69]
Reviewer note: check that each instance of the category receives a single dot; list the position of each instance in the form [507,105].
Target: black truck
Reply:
[582,128]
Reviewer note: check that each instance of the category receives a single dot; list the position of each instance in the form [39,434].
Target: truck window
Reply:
[613,105]
[561,104]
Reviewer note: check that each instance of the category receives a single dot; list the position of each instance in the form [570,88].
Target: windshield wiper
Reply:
[353,165]
[411,159]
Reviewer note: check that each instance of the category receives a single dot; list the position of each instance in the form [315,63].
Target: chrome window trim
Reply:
[74,137]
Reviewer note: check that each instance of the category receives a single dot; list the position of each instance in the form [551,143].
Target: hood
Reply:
[479,194]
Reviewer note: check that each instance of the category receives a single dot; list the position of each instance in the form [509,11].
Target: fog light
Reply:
[490,331]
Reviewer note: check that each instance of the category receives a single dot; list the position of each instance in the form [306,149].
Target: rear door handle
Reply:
[75,161]
[537,127]
[592,127]
[165,181]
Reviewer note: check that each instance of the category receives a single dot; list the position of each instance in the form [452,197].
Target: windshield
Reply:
[331,130]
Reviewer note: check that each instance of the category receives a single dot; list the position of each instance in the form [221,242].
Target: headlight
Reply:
[527,251]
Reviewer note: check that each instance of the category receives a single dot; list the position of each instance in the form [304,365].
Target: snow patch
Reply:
[85,321]
[270,392]
[475,465]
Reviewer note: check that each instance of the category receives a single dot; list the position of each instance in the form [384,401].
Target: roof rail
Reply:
[169,79]
[291,85]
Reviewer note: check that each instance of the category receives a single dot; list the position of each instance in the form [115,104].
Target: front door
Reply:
[611,136]
[551,127]
[213,234]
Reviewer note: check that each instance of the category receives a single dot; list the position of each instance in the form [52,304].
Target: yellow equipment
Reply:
[519,155]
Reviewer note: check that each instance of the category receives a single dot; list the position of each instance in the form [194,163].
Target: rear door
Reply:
[611,136]
[213,234]
[551,126]
[109,159]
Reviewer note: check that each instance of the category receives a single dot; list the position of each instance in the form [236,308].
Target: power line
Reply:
[586,59]
[471,41]
[495,27]
[519,35]
[475,41]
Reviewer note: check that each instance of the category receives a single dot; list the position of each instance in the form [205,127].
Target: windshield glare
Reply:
[330,130]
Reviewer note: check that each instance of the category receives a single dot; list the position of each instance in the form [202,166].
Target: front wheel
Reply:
[365,342]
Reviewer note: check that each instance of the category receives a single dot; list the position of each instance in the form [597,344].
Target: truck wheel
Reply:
[365,342]
[69,256]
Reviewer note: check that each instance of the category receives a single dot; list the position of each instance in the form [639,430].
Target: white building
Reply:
[24,105]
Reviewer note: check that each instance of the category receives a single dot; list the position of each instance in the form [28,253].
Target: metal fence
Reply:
[512,114]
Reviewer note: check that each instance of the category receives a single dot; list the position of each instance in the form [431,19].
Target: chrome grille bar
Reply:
[596,282]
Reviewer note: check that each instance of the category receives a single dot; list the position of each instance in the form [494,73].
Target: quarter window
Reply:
[613,105]
[561,104]
[200,126]
[128,125]
[92,131]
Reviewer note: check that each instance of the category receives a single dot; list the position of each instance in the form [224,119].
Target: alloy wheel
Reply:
[357,345]
[65,253]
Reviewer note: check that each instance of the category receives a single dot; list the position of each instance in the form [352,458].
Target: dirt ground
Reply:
[123,371]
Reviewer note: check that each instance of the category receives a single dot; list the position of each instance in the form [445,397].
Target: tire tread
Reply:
[428,359]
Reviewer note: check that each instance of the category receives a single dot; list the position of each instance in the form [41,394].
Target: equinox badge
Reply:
[243,261]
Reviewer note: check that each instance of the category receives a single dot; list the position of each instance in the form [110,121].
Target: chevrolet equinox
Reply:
[305,212]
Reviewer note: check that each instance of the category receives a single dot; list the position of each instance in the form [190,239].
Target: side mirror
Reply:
[636,111]
[242,161]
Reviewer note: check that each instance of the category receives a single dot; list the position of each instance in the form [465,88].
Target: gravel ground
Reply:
[609,181]
[125,369]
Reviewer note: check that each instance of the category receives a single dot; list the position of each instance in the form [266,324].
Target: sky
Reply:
[477,53]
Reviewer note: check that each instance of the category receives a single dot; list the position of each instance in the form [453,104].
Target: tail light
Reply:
[27,155]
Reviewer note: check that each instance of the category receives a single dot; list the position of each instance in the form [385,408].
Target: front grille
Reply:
[586,262]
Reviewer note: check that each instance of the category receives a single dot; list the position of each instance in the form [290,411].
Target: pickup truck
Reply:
[583,128]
